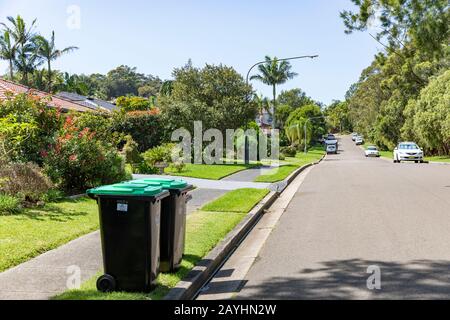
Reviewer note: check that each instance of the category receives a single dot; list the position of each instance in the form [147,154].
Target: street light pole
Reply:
[284,59]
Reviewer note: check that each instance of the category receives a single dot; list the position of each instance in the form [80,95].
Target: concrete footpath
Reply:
[47,275]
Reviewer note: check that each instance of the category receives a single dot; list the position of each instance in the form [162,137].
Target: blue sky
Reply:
[157,36]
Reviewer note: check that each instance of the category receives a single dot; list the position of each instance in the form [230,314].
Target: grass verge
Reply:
[204,231]
[239,201]
[438,159]
[211,172]
[291,164]
[34,231]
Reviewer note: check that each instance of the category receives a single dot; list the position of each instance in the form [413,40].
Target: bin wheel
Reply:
[106,283]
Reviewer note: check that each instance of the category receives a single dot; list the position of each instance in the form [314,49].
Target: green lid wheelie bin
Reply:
[130,232]
[173,221]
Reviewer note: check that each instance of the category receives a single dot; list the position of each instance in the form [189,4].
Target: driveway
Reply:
[353,215]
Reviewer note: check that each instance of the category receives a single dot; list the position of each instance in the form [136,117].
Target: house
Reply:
[88,102]
[264,121]
[8,87]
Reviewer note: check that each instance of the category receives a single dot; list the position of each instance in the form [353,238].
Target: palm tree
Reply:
[273,73]
[262,104]
[46,49]
[7,51]
[166,88]
[26,59]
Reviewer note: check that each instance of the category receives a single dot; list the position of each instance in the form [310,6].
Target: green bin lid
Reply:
[164,183]
[127,189]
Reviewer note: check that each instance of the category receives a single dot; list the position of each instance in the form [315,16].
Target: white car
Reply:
[332,148]
[354,135]
[372,151]
[359,141]
[408,151]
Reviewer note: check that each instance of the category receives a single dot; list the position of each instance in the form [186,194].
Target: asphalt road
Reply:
[352,213]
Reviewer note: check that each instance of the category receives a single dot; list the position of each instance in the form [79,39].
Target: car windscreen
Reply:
[408,147]
[372,148]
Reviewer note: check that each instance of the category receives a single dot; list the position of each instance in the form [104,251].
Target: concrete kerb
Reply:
[189,287]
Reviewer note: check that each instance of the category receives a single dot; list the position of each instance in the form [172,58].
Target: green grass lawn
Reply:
[34,231]
[212,172]
[292,164]
[204,231]
[239,201]
[438,159]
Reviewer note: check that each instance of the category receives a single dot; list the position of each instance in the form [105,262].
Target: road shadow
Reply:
[347,280]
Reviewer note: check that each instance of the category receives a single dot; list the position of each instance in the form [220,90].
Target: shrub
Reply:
[78,160]
[98,122]
[162,153]
[143,126]
[128,104]
[9,205]
[27,126]
[25,181]
[131,152]
[289,151]
[178,166]
[144,168]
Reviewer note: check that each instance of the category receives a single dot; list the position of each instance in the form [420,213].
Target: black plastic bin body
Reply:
[130,235]
[173,221]
[173,229]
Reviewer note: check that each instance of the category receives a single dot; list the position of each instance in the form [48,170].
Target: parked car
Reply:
[359,141]
[332,149]
[408,151]
[331,139]
[354,135]
[372,151]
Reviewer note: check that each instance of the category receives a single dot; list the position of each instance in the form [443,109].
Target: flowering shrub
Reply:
[27,126]
[78,160]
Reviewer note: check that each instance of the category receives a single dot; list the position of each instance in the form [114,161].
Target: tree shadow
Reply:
[52,212]
[347,280]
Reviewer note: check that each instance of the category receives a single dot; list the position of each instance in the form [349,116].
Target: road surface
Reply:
[351,214]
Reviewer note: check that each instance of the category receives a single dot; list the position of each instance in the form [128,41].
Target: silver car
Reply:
[408,151]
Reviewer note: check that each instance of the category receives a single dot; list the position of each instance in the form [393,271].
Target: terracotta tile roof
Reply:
[8,87]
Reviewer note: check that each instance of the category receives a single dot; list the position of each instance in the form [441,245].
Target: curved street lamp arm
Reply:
[285,59]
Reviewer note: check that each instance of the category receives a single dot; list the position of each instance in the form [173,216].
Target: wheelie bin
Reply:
[173,221]
[130,216]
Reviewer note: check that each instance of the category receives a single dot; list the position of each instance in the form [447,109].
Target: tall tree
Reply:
[26,56]
[7,51]
[46,49]
[273,73]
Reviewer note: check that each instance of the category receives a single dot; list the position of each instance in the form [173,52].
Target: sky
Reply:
[158,36]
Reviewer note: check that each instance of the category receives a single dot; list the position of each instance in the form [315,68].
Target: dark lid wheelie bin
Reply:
[173,221]
[130,232]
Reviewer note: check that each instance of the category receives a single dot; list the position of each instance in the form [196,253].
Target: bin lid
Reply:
[127,189]
[162,182]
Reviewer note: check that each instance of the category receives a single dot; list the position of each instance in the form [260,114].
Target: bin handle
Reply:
[188,197]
